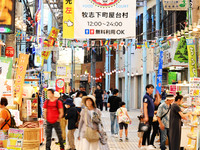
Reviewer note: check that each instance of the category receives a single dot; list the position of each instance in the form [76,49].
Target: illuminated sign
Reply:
[7,16]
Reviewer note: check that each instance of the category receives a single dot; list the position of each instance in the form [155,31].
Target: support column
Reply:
[91,70]
[93,66]
[72,68]
[144,48]
[117,67]
[109,70]
[126,74]
[106,67]
[49,30]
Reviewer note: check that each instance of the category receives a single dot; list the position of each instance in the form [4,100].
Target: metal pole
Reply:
[129,79]
[144,48]
[91,70]
[162,18]
[157,15]
[106,67]
[126,74]
[117,67]
[109,70]
[72,69]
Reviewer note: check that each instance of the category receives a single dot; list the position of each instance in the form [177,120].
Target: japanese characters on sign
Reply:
[61,71]
[194,87]
[21,71]
[192,57]
[175,5]
[99,18]
[29,113]
[159,76]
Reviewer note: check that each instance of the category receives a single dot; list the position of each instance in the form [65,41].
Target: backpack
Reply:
[77,119]
[12,124]
[57,105]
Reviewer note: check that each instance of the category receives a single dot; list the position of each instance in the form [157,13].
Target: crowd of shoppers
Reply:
[84,113]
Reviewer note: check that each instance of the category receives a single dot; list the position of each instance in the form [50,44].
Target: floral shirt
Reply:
[162,110]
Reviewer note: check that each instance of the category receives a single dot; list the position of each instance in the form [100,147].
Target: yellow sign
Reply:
[68,19]
[20,75]
[54,33]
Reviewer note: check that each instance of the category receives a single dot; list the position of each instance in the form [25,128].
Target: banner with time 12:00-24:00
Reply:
[99,19]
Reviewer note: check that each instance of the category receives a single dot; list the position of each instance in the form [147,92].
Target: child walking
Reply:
[123,120]
[140,132]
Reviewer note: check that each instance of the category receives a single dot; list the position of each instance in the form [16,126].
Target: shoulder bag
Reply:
[91,135]
[166,112]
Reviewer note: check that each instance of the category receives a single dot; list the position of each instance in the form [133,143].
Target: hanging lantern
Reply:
[9,51]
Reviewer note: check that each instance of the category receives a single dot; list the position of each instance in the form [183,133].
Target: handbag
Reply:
[124,118]
[91,135]
[155,118]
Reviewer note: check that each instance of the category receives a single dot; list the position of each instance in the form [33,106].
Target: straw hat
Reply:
[84,98]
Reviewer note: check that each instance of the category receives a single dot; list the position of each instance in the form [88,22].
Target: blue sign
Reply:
[159,75]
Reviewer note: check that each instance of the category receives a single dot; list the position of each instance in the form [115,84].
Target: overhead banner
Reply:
[99,18]
[192,57]
[20,75]
[175,5]
[159,76]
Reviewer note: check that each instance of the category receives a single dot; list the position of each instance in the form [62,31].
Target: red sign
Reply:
[10,51]
[60,85]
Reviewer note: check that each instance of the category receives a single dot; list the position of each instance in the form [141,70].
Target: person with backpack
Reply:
[72,117]
[53,112]
[5,116]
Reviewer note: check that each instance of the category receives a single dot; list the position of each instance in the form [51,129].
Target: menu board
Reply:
[194,87]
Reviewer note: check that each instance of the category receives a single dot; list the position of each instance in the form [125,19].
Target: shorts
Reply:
[140,134]
[121,125]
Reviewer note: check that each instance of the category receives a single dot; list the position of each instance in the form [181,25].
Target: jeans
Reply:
[114,123]
[49,128]
[164,134]
[146,136]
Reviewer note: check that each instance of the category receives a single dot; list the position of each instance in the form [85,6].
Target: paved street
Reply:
[113,142]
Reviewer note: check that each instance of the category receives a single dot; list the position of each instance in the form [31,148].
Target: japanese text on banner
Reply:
[20,75]
[192,57]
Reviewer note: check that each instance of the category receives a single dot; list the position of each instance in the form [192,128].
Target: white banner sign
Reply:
[175,5]
[99,18]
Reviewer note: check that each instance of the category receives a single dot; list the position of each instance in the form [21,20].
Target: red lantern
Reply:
[10,51]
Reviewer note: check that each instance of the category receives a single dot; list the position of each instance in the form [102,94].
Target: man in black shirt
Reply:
[99,97]
[113,103]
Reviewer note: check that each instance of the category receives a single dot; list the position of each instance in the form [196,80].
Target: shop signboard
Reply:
[8,61]
[7,16]
[15,139]
[172,89]
[20,75]
[99,19]
[159,76]
[61,70]
[194,87]
[168,56]
[60,85]
[7,89]
[175,5]
[192,57]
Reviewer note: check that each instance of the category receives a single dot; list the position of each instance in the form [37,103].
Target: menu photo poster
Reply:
[15,139]
[3,139]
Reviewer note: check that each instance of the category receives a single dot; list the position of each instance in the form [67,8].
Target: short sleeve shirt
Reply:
[114,103]
[52,110]
[121,112]
[150,101]
[162,110]
[98,94]
[5,115]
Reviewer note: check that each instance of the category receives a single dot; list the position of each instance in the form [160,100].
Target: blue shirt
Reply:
[150,101]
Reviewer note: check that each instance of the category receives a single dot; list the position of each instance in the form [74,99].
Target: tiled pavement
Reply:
[113,142]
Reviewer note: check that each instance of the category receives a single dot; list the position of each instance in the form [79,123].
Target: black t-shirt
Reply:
[84,93]
[114,103]
[98,94]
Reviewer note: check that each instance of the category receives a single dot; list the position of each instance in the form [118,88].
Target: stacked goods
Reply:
[29,125]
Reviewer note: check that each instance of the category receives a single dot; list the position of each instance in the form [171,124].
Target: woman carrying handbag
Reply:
[88,130]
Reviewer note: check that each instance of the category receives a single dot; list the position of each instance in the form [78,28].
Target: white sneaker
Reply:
[116,135]
[151,147]
[143,148]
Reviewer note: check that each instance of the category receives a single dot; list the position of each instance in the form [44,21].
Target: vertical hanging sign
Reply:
[68,19]
[159,76]
[192,57]
[21,71]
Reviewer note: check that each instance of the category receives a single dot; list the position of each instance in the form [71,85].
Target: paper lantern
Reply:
[9,51]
